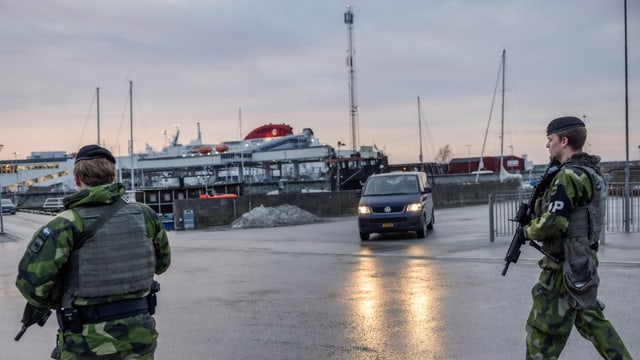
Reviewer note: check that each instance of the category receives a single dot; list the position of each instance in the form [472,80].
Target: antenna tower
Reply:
[353,103]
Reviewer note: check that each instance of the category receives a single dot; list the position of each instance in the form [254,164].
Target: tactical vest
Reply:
[119,259]
[589,220]
[584,221]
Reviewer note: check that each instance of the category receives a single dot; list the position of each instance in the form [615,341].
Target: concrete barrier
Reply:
[216,212]
[448,191]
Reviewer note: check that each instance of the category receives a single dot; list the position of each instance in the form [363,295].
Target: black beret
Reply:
[563,123]
[90,152]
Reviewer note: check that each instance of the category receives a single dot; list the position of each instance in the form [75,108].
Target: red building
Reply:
[492,163]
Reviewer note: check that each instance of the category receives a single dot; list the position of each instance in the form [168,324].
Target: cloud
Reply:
[284,61]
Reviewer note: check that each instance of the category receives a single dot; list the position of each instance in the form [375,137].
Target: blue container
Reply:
[168,222]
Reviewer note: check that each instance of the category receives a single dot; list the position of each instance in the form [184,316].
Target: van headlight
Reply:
[414,207]
[364,210]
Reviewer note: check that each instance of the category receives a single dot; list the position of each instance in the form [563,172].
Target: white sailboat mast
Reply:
[131,133]
[420,132]
[504,65]
[98,112]
[501,73]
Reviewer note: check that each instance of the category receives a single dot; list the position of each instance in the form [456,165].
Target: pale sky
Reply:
[283,61]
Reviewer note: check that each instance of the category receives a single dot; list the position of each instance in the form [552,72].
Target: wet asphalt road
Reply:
[317,292]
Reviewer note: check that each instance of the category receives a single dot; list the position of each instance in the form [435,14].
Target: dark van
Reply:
[396,202]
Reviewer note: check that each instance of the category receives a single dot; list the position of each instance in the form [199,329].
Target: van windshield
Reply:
[391,185]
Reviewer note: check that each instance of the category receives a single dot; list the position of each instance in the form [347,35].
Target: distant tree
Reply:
[444,154]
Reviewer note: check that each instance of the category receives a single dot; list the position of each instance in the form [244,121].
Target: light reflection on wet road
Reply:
[317,292]
[395,309]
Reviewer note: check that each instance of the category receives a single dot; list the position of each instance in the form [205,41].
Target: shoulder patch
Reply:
[38,242]
[599,185]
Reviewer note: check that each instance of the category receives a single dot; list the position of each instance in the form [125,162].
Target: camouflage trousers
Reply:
[123,339]
[551,320]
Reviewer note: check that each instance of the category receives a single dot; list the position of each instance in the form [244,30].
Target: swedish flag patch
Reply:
[38,242]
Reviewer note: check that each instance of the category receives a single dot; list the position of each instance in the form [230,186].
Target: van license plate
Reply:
[387,225]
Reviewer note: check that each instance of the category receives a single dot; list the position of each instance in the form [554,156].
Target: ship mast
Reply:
[353,106]
[420,133]
[98,112]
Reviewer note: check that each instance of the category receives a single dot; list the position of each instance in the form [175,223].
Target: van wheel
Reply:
[364,236]
[433,219]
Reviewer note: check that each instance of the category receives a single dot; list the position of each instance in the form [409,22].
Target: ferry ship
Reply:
[270,157]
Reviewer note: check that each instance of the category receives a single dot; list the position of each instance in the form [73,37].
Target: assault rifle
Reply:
[524,216]
[32,315]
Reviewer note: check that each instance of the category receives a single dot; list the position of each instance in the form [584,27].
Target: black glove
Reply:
[32,315]
[521,234]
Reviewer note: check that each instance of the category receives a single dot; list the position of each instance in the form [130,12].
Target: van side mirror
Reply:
[427,190]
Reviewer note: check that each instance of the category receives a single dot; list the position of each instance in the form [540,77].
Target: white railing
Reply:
[53,203]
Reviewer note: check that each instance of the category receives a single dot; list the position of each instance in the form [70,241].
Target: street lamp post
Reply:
[1,212]
[468,157]
[15,165]
[205,176]
[508,161]
[340,143]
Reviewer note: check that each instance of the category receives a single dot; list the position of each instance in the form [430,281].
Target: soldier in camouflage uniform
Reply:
[102,286]
[578,185]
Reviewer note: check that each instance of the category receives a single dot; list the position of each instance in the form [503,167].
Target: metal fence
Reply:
[618,205]
[503,207]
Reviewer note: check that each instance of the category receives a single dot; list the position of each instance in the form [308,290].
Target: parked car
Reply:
[8,207]
[396,202]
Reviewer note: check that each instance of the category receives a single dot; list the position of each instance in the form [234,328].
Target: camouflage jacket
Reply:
[570,188]
[40,271]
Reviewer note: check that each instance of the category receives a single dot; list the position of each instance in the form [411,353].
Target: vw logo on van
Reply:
[387,209]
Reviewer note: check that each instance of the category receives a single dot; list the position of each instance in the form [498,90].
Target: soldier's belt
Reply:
[108,311]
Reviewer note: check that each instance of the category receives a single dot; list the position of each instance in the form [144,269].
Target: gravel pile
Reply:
[282,215]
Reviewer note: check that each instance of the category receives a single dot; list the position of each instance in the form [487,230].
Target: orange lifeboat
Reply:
[221,148]
[218,196]
[204,149]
